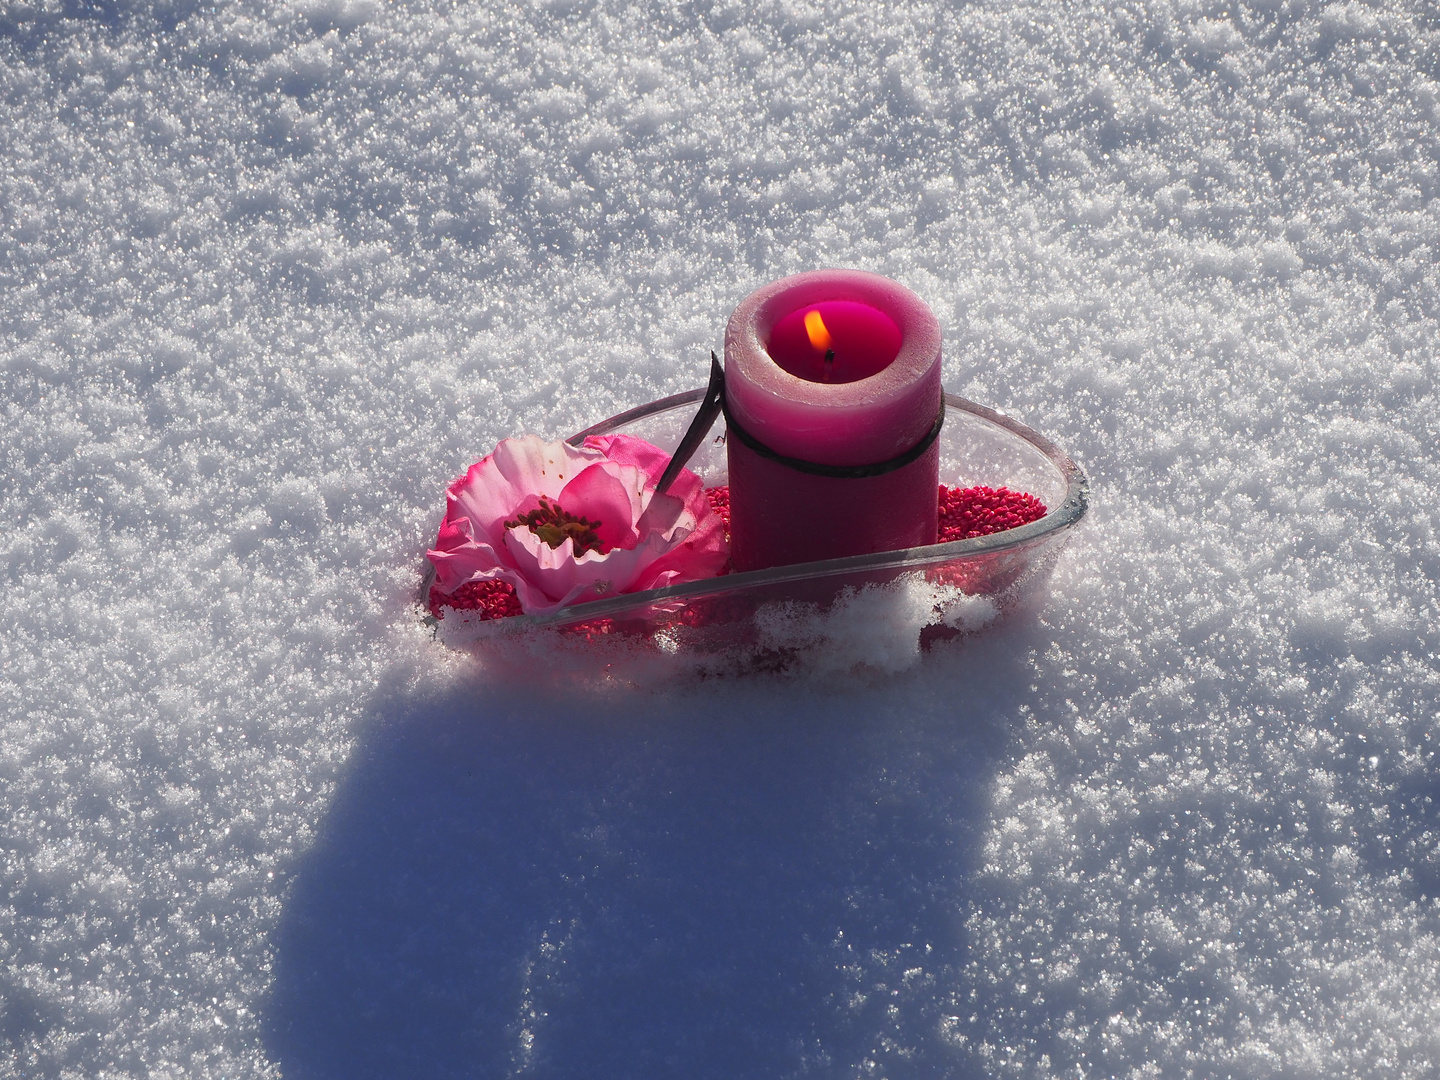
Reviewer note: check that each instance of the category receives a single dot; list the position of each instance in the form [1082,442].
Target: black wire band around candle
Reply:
[710,406]
[714,402]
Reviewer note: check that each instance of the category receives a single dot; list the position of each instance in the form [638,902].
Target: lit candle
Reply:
[833,400]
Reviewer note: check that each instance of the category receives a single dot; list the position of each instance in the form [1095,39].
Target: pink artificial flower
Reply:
[563,524]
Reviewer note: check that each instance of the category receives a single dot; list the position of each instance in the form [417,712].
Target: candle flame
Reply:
[815,327]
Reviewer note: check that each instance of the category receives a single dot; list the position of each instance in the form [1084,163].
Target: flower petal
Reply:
[482,495]
[563,579]
[467,561]
[663,515]
[700,553]
[533,466]
[455,533]
[628,450]
[651,460]
[612,495]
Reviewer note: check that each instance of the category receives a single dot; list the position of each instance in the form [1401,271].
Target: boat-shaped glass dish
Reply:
[978,446]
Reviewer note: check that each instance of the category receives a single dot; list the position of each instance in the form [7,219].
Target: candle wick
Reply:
[829,369]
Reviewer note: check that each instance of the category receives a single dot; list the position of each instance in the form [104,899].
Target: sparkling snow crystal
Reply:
[272,274]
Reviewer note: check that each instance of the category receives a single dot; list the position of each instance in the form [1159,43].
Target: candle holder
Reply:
[976,446]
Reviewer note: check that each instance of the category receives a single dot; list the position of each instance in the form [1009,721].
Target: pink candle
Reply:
[832,386]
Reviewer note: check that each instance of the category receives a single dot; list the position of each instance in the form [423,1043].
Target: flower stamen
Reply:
[552,524]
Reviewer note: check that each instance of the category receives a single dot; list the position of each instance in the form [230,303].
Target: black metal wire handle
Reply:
[710,407]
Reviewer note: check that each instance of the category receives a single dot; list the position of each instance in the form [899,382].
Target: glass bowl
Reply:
[978,446]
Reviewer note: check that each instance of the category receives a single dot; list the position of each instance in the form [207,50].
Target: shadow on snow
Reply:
[748,879]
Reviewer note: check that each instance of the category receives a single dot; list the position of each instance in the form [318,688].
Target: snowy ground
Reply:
[270,276]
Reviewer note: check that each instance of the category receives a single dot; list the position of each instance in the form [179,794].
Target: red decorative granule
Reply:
[720,502]
[719,498]
[964,513]
[979,511]
[489,599]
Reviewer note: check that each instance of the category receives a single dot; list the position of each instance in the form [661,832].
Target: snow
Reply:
[270,276]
